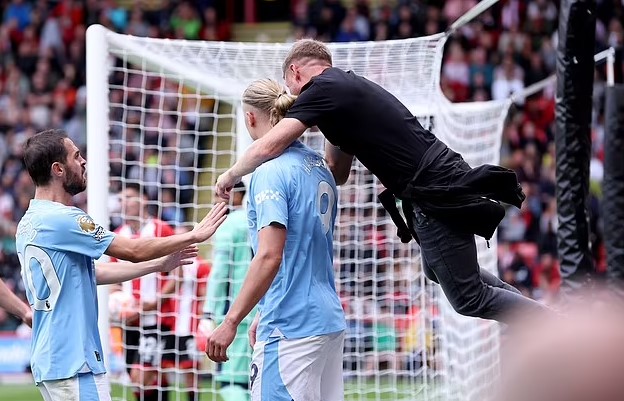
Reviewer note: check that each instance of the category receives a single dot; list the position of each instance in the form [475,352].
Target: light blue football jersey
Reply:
[298,191]
[57,245]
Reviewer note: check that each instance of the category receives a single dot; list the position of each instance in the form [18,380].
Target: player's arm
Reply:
[118,272]
[262,271]
[271,145]
[12,304]
[142,249]
[339,163]
[306,112]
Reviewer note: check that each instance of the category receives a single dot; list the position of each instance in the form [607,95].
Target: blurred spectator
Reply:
[17,15]
[547,278]
[354,28]
[214,29]
[481,72]
[137,25]
[118,16]
[185,21]
[457,72]
[519,274]
[542,17]
[508,79]
[453,9]
[548,228]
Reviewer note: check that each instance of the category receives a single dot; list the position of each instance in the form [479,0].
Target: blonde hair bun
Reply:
[270,97]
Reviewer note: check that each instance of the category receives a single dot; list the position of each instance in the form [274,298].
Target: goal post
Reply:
[97,161]
[166,114]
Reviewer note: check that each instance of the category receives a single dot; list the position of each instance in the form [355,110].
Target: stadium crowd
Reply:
[509,47]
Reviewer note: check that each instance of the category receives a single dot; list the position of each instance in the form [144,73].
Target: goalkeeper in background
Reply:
[300,323]
[445,201]
[232,255]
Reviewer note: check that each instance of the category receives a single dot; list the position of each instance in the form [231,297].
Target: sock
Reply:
[192,395]
[164,393]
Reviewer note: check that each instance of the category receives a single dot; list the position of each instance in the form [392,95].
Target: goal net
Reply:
[165,114]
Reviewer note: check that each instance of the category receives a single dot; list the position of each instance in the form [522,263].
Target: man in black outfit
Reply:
[445,201]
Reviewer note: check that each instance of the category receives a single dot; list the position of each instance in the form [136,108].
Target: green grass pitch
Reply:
[353,392]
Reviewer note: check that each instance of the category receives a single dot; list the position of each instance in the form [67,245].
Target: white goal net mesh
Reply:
[174,125]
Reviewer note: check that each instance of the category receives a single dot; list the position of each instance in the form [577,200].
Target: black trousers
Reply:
[450,259]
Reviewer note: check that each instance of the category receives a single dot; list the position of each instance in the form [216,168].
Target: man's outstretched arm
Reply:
[271,145]
[262,271]
[113,273]
[12,304]
[143,249]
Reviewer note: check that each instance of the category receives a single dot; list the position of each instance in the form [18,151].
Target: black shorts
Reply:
[131,337]
[148,346]
[186,350]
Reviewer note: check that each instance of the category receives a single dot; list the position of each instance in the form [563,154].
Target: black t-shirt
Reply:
[364,120]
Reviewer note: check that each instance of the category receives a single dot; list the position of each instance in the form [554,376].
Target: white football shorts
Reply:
[302,369]
[82,387]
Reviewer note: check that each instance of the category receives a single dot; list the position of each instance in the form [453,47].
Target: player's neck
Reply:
[264,128]
[318,69]
[52,194]
[313,69]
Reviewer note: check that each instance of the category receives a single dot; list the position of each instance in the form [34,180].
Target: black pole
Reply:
[613,183]
[575,79]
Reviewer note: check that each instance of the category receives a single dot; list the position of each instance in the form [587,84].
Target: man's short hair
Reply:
[41,151]
[307,49]
[140,189]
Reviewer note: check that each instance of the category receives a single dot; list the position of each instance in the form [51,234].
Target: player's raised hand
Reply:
[219,341]
[225,183]
[177,259]
[209,224]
